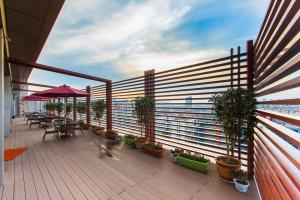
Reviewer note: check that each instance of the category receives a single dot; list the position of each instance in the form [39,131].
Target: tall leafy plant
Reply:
[98,108]
[59,107]
[81,108]
[235,111]
[49,107]
[68,108]
[143,111]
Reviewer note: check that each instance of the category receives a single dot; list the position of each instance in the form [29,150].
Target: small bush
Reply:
[196,157]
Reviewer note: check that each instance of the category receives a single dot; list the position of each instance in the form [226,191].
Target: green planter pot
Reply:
[129,142]
[192,164]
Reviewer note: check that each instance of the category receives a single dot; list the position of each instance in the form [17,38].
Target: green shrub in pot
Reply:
[235,111]
[144,108]
[98,108]
[194,161]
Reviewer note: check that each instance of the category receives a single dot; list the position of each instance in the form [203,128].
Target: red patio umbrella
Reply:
[62,91]
[35,99]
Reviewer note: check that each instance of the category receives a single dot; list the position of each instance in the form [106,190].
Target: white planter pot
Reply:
[174,158]
[241,187]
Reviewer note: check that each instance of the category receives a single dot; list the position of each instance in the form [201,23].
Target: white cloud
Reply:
[126,37]
[131,36]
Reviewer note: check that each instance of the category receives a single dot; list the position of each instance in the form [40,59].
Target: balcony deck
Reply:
[74,169]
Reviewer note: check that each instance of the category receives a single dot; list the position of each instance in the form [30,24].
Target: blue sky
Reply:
[121,39]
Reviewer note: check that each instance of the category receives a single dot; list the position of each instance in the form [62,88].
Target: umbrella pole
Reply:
[34,106]
[65,108]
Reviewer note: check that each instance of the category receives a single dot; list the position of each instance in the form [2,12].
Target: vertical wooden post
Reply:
[231,67]
[108,105]
[74,109]
[88,103]
[250,76]
[239,81]
[149,90]
[239,65]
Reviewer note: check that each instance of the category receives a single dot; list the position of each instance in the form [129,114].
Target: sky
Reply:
[121,39]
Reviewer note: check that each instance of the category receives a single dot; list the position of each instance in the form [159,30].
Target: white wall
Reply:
[1,108]
[7,105]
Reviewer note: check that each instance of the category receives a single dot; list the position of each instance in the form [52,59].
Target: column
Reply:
[250,77]
[1,108]
[74,109]
[7,105]
[108,105]
[88,103]
[149,90]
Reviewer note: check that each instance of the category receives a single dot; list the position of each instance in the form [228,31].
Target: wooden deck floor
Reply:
[73,169]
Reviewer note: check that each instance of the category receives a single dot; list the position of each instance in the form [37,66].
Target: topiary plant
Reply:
[81,108]
[49,107]
[144,108]
[235,110]
[98,108]
[59,107]
[68,108]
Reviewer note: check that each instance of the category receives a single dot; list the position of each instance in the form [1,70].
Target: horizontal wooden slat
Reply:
[290,84]
[289,170]
[284,132]
[283,117]
[281,102]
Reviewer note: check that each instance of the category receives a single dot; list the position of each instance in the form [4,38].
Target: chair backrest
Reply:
[69,127]
[48,119]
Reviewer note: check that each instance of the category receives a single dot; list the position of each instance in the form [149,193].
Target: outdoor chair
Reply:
[34,120]
[50,129]
[46,121]
[28,117]
[80,126]
[69,129]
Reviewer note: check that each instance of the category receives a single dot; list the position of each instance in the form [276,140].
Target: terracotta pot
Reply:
[140,142]
[226,170]
[100,130]
[154,152]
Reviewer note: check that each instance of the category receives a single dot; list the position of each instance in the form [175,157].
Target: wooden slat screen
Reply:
[277,85]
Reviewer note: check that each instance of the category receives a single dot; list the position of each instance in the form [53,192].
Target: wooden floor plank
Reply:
[19,186]
[93,175]
[72,186]
[41,189]
[29,184]
[92,185]
[60,184]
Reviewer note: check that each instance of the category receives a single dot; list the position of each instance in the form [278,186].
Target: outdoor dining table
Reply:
[65,127]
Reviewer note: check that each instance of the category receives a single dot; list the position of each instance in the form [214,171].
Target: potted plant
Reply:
[59,107]
[49,107]
[98,108]
[129,140]
[235,111]
[155,150]
[111,134]
[240,180]
[68,109]
[143,111]
[174,153]
[82,108]
[194,161]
